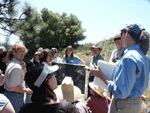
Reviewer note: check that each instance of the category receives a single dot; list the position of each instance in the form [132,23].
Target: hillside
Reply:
[84,53]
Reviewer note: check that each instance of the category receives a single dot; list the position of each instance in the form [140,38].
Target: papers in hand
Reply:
[108,71]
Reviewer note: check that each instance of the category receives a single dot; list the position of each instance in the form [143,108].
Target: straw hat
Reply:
[68,91]
[95,46]
[116,36]
[101,91]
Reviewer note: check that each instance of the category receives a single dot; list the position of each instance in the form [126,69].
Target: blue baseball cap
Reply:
[134,26]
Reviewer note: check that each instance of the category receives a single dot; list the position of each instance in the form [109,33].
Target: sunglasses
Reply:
[117,38]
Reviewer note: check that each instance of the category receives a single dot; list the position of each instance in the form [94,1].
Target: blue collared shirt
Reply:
[94,60]
[73,60]
[131,74]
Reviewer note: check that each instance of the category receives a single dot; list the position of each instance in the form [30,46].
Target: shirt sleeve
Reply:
[15,79]
[125,79]
[77,59]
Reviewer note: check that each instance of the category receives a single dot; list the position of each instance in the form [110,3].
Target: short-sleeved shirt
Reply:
[57,60]
[3,101]
[114,55]
[14,75]
[73,60]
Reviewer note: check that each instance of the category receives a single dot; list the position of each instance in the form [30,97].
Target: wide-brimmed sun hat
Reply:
[36,75]
[68,91]
[100,91]
[118,35]
[95,46]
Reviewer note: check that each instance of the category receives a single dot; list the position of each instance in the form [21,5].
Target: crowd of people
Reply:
[31,86]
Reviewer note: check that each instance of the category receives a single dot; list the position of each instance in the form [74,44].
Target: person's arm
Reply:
[16,82]
[1,78]
[119,48]
[125,79]
[82,62]
[19,89]
[98,73]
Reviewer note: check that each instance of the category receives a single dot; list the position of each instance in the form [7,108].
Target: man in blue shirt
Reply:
[93,60]
[132,72]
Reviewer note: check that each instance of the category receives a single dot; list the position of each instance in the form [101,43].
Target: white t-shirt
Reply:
[57,60]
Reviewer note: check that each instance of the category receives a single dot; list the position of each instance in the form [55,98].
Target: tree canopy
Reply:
[8,16]
[50,29]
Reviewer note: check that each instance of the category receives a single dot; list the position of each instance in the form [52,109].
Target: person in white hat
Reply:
[41,79]
[68,91]
[99,102]
[118,52]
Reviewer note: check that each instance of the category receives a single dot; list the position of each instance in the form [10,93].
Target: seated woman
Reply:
[70,58]
[41,79]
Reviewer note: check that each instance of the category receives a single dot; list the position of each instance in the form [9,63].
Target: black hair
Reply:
[2,54]
[40,94]
[69,47]
[44,54]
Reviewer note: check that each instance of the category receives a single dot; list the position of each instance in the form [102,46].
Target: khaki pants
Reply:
[126,105]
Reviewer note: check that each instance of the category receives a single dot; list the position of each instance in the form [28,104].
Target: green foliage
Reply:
[49,30]
[8,16]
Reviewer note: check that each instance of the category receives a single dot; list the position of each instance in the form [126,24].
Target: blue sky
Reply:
[102,19]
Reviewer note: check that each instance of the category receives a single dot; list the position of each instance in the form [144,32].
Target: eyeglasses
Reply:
[123,31]
[117,38]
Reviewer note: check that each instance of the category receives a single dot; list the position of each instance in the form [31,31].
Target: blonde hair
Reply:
[15,48]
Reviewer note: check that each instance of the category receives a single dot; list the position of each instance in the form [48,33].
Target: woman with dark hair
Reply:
[41,79]
[46,56]
[3,61]
[70,58]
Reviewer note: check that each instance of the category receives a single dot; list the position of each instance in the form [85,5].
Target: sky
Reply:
[102,19]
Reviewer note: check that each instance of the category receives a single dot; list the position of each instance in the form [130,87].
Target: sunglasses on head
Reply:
[117,38]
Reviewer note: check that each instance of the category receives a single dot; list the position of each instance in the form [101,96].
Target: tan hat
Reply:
[68,91]
[101,91]
[95,46]
[37,52]
[116,36]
